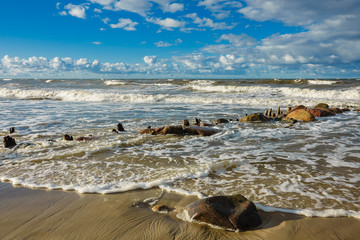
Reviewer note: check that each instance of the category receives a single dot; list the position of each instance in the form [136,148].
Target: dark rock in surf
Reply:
[12,130]
[85,139]
[221,120]
[9,142]
[255,117]
[67,137]
[230,212]
[202,131]
[120,127]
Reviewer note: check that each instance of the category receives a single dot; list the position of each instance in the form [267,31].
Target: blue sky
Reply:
[176,38]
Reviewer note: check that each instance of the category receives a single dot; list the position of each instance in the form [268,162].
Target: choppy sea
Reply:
[311,169]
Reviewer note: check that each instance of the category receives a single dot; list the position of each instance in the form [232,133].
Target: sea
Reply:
[311,169]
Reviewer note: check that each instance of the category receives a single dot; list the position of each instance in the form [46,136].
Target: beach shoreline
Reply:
[56,214]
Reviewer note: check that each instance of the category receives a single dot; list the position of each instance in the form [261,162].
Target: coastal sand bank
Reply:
[41,214]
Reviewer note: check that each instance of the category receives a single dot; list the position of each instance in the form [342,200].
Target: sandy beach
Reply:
[41,214]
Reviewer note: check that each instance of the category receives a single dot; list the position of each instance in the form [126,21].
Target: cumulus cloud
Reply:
[207,22]
[126,24]
[140,7]
[77,10]
[150,60]
[167,6]
[167,23]
[218,7]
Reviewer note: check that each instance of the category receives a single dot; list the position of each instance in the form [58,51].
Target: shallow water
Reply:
[309,168]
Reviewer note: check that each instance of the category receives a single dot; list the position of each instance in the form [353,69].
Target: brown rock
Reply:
[172,130]
[322,105]
[325,112]
[161,208]
[297,107]
[301,115]
[230,212]
[203,131]
[255,117]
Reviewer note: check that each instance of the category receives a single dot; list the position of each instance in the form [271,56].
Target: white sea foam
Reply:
[114,82]
[321,82]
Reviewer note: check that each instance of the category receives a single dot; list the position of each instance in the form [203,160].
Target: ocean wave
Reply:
[322,82]
[114,82]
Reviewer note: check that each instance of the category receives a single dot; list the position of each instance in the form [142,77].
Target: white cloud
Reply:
[163,44]
[217,7]
[150,60]
[103,2]
[77,10]
[167,23]
[96,43]
[106,20]
[97,10]
[167,44]
[167,6]
[126,24]
[140,7]
[207,22]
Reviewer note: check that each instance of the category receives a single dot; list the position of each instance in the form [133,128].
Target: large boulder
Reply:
[202,131]
[230,212]
[255,117]
[301,115]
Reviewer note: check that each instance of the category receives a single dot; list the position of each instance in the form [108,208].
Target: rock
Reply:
[202,124]
[161,208]
[203,131]
[9,142]
[197,121]
[185,123]
[85,139]
[336,110]
[325,112]
[172,130]
[120,127]
[255,117]
[12,130]
[67,137]
[230,212]
[301,115]
[322,105]
[221,120]
[297,107]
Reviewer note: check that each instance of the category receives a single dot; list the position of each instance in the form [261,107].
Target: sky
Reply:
[180,39]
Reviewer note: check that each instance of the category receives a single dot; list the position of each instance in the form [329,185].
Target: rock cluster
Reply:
[298,113]
[199,128]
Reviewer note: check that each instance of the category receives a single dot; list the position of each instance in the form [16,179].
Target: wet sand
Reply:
[41,214]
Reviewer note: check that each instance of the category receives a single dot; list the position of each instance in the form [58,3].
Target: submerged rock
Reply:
[9,142]
[230,212]
[179,130]
[255,117]
[202,131]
